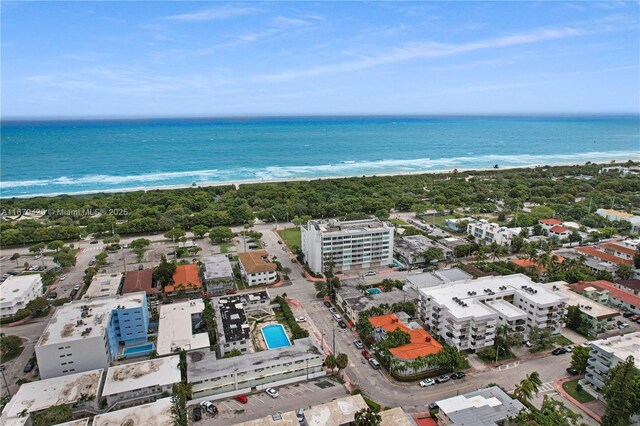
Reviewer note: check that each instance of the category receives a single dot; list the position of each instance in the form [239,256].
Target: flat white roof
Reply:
[139,375]
[42,394]
[338,412]
[103,285]
[175,327]
[217,267]
[461,402]
[15,287]
[511,284]
[587,306]
[622,346]
[64,327]
[507,310]
[157,414]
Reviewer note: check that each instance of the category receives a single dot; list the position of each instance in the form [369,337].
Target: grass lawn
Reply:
[291,237]
[224,247]
[581,395]
[11,355]
[561,340]
[240,284]
[398,222]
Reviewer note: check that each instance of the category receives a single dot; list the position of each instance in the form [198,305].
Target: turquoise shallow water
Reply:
[40,157]
[275,337]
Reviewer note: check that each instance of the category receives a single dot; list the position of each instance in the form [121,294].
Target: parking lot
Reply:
[292,397]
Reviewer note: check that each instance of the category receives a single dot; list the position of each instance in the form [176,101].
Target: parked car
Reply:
[300,415]
[272,392]
[427,382]
[337,317]
[327,304]
[623,326]
[370,274]
[433,406]
[559,351]
[52,295]
[458,375]
[93,242]
[342,324]
[358,344]
[73,293]
[635,318]
[37,257]
[29,365]
[241,399]
[301,319]
[209,407]
[12,273]
[294,261]
[366,354]
[333,310]
[63,277]
[374,363]
[628,314]
[572,371]
[443,378]
[569,349]
[279,242]
[528,344]
[197,414]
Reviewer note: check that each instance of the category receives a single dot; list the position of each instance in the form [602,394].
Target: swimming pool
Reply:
[275,336]
[138,350]
[374,291]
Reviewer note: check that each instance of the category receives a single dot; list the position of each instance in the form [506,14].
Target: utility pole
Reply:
[334,341]
[4,379]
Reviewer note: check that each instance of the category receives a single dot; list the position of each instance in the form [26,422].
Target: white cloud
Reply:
[430,49]
[213,14]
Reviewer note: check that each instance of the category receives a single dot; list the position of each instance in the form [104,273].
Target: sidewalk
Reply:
[558,385]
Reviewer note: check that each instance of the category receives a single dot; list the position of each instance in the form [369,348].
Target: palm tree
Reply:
[342,360]
[330,362]
[528,387]
[367,417]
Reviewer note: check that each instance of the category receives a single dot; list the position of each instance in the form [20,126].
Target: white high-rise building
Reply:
[355,244]
[466,313]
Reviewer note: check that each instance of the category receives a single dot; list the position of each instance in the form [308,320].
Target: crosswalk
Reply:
[546,387]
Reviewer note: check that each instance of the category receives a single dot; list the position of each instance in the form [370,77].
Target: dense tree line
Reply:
[558,188]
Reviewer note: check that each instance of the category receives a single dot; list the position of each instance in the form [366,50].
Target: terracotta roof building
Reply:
[532,265]
[550,222]
[256,268]
[422,344]
[141,280]
[604,256]
[605,291]
[632,286]
[186,278]
[618,250]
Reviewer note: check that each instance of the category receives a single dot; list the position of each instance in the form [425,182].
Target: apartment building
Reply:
[88,334]
[606,354]
[485,232]
[80,390]
[482,407]
[617,216]
[256,268]
[217,274]
[181,327]
[141,382]
[409,250]
[232,327]
[595,317]
[255,371]
[356,244]
[17,291]
[186,282]
[607,293]
[466,313]
[157,413]
[420,345]
[103,285]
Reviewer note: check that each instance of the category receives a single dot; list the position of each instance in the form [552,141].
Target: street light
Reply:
[274,218]
[498,352]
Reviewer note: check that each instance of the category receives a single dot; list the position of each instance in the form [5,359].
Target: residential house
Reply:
[140,280]
[186,282]
[483,407]
[256,268]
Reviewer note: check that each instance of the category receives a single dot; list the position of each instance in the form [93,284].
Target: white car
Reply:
[426,382]
[301,319]
[370,274]
[272,392]
[209,407]
[63,277]
[337,317]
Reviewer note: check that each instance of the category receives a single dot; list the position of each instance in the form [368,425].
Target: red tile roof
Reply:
[187,276]
[550,221]
[256,261]
[559,229]
[594,252]
[614,291]
[422,344]
[630,284]
[617,247]
[139,281]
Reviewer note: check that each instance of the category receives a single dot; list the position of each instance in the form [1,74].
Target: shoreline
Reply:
[237,183]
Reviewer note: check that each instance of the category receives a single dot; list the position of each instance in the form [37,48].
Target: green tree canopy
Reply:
[622,393]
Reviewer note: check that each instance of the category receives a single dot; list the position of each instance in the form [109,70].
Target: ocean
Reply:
[84,156]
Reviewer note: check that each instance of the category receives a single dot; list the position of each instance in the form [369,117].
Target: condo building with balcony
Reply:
[485,232]
[606,354]
[466,313]
[355,244]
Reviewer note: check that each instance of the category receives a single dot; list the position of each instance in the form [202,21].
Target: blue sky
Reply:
[111,59]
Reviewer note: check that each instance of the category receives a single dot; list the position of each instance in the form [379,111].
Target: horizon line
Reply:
[311,115]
